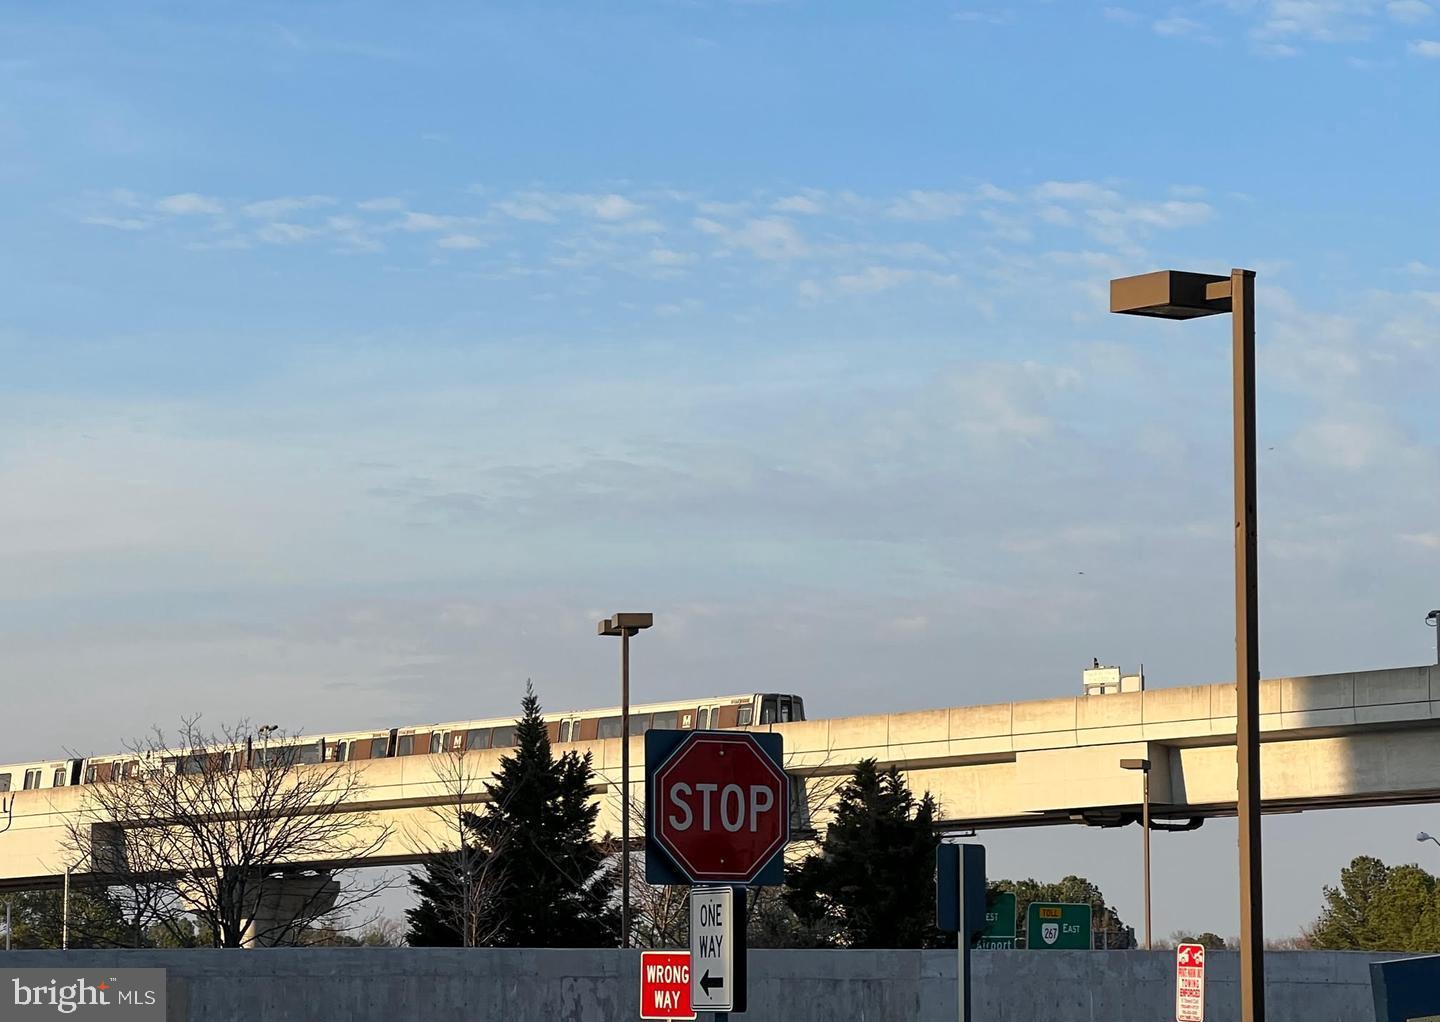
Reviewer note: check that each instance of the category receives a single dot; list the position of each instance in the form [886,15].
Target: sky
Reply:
[356,358]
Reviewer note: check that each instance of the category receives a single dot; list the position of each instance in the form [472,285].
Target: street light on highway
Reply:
[625,625]
[1423,837]
[1143,765]
[1173,294]
[1433,620]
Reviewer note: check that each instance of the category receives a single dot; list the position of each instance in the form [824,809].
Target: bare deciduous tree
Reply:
[469,870]
[242,836]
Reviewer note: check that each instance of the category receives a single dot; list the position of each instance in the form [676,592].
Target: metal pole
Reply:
[1145,825]
[65,915]
[7,924]
[1247,651]
[624,787]
[962,946]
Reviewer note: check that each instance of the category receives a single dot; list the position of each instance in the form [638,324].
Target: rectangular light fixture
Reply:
[1171,294]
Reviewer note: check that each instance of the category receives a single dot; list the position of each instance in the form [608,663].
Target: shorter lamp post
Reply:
[1433,620]
[625,625]
[1143,765]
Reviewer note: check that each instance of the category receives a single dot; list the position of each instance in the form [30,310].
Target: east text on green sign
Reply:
[1055,927]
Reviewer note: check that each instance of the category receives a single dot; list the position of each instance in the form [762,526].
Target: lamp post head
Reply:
[1135,764]
[623,624]
[1433,619]
[1170,294]
[1422,836]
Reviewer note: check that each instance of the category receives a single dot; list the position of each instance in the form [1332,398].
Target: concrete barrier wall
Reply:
[383,985]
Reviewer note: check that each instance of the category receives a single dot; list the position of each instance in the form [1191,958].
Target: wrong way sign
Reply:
[665,985]
[1190,983]
[717,949]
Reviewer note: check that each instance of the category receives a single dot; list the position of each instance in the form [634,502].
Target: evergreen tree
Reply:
[1108,929]
[37,919]
[1380,908]
[434,922]
[550,883]
[872,883]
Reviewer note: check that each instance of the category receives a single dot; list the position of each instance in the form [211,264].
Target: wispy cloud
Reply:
[1409,12]
[1429,48]
[189,204]
[1179,25]
[269,209]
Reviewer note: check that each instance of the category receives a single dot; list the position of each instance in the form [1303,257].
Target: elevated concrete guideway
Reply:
[1353,739]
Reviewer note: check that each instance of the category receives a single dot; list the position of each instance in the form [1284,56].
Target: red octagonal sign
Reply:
[723,807]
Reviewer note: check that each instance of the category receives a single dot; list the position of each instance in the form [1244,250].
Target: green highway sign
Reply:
[1055,927]
[999,932]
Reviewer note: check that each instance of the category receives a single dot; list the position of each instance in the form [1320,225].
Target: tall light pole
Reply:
[1171,294]
[1422,837]
[625,625]
[1143,765]
[1433,620]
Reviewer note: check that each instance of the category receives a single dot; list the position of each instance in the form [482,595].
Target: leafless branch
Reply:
[238,829]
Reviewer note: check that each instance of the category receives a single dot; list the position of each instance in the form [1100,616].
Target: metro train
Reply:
[737,711]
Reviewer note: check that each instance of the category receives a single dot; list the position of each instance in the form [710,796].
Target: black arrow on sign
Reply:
[707,984]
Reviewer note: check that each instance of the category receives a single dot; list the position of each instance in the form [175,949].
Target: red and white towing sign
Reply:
[1190,983]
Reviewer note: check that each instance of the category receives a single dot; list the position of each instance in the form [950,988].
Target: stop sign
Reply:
[720,805]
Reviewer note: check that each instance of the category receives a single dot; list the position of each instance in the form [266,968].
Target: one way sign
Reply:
[717,949]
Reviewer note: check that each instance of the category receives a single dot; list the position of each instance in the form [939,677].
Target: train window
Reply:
[799,707]
[334,752]
[787,712]
[404,745]
[477,738]
[566,727]
[32,779]
[310,753]
[639,722]
[767,710]
[665,721]
[609,727]
[90,772]
[58,780]
[379,748]
[745,717]
[127,770]
[4,782]
[503,737]
[194,764]
[704,722]
[437,741]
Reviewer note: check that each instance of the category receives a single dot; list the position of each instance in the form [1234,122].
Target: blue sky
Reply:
[356,359]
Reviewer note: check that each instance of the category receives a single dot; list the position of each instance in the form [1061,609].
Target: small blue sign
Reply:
[954,865]
[1407,990]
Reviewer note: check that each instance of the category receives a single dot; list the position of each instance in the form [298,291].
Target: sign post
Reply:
[717,812]
[717,949]
[960,908]
[665,985]
[1055,927]
[1190,983]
